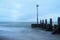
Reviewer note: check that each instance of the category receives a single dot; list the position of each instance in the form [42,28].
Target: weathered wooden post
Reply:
[57,27]
[58,24]
[40,23]
[45,23]
[51,24]
[54,29]
[51,21]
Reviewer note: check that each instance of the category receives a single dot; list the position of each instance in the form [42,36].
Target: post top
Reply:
[37,5]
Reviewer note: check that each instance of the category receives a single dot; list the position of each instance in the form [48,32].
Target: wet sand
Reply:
[26,34]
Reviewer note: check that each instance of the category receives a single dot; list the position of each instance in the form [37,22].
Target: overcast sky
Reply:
[25,10]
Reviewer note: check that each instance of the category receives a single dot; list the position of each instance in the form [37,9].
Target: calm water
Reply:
[23,31]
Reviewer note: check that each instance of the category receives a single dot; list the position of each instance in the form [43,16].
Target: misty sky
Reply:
[25,10]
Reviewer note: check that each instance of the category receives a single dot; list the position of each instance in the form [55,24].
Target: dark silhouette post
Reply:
[54,29]
[40,21]
[37,13]
[49,26]
[51,22]
[36,25]
[58,24]
[45,23]
[57,27]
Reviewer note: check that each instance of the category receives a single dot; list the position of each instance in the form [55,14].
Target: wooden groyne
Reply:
[48,26]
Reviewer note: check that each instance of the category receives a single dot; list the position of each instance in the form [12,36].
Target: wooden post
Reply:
[45,23]
[54,29]
[49,26]
[40,22]
[50,22]
[58,24]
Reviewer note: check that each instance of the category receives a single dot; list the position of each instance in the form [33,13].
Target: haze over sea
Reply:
[8,25]
[23,31]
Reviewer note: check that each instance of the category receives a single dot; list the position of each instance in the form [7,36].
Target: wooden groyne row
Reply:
[48,27]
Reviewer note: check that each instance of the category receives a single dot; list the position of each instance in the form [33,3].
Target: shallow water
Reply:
[13,33]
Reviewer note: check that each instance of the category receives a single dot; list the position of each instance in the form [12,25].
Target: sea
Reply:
[23,31]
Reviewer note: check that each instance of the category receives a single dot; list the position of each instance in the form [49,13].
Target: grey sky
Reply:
[25,10]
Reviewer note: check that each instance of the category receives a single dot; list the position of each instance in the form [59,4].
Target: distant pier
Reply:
[48,27]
